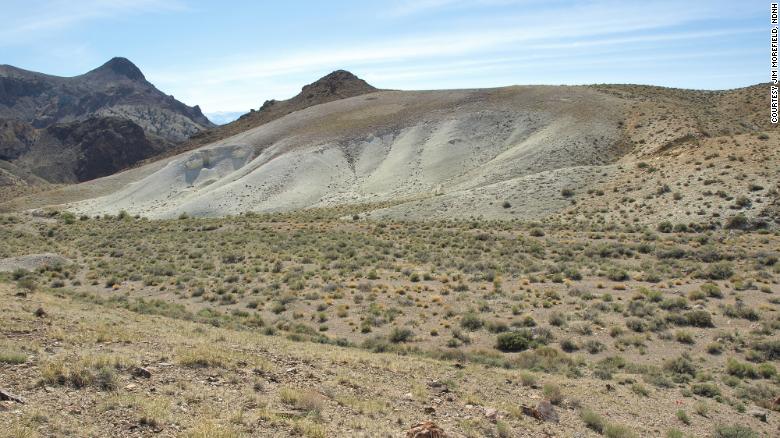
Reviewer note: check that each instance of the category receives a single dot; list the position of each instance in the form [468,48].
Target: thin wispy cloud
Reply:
[31,20]
[529,36]
[232,59]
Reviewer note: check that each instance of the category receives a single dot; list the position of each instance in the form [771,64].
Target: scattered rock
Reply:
[491,414]
[439,387]
[40,313]
[426,429]
[544,411]
[759,413]
[141,372]
[429,410]
[408,396]
[131,387]
[7,396]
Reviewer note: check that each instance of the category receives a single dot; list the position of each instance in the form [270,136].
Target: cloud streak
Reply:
[31,20]
[544,34]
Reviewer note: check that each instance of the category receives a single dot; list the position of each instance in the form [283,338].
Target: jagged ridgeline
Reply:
[71,129]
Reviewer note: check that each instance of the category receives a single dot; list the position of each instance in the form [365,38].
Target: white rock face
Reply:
[435,154]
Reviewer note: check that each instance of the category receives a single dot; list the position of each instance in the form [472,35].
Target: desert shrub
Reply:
[398,335]
[617,274]
[612,430]
[636,324]
[681,368]
[740,369]
[553,393]
[767,370]
[705,389]
[665,227]
[593,346]
[519,340]
[699,318]
[740,310]
[767,350]
[471,321]
[711,290]
[557,319]
[674,433]
[684,337]
[527,379]
[569,346]
[497,326]
[593,420]
[719,271]
[676,303]
[736,431]
[11,356]
[639,389]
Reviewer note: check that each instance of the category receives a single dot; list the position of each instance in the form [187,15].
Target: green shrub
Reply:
[398,335]
[682,368]
[619,431]
[665,227]
[705,389]
[699,318]
[740,369]
[684,337]
[471,321]
[767,370]
[736,431]
[592,420]
[674,433]
[553,393]
[683,416]
[519,340]
[719,271]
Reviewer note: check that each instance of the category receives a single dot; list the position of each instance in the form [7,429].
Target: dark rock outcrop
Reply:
[95,124]
[339,84]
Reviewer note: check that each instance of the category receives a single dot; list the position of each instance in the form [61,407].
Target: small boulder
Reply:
[7,396]
[40,313]
[141,372]
[426,429]
[544,411]
[759,413]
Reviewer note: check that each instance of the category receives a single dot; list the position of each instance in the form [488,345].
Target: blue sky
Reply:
[232,56]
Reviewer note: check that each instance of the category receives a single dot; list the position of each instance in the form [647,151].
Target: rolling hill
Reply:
[622,153]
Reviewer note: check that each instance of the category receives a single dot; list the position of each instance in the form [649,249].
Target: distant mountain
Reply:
[111,111]
[224,117]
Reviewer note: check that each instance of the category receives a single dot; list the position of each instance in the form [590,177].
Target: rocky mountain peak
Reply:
[339,83]
[119,66]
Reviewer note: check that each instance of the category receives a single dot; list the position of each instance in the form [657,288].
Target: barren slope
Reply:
[612,152]
[386,146]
